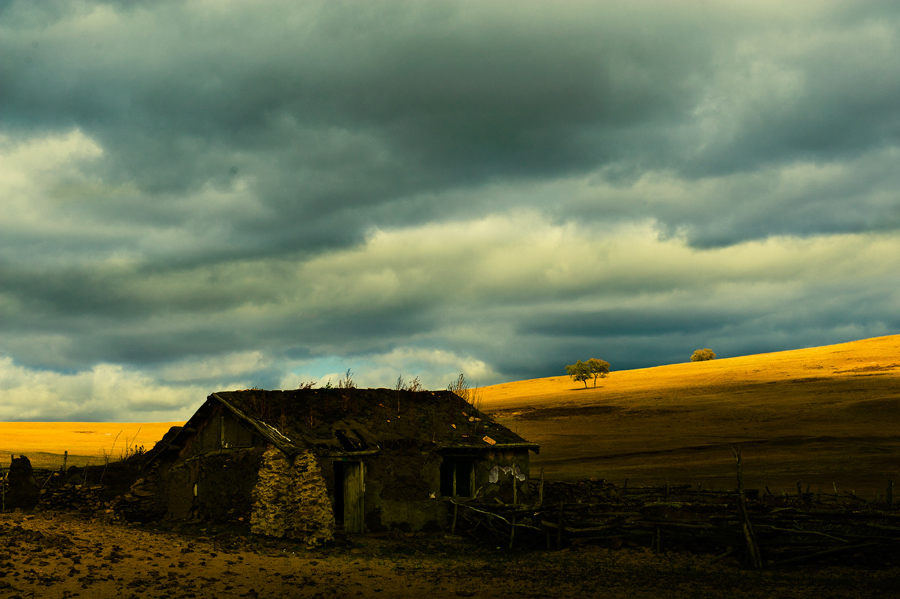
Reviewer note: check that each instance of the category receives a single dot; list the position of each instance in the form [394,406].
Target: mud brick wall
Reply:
[291,499]
[399,488]
[226,483]
[502,489]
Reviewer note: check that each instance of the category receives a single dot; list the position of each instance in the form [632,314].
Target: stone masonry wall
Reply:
[291,499]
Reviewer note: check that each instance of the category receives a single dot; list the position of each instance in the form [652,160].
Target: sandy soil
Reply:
[64,555]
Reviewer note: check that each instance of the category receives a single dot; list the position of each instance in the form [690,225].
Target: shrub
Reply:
[702,355]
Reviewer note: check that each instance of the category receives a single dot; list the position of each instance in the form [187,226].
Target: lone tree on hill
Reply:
[592,369]
[702,355]
[579,371]
[599,369]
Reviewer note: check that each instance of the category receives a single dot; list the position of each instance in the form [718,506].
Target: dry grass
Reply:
[822,416]
[87,442]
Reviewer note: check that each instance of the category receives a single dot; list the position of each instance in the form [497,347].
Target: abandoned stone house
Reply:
[302,464]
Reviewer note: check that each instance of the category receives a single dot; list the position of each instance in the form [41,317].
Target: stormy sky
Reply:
[211,194]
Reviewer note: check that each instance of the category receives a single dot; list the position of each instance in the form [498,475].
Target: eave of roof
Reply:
[267,431]
[485,446]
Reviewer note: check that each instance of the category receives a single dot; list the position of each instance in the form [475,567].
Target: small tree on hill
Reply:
[580,371]
[599,369]
[702,355]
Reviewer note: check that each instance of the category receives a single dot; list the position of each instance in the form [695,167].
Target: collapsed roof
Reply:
[359,421]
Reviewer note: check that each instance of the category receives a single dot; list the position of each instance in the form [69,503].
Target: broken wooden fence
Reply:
[782,530]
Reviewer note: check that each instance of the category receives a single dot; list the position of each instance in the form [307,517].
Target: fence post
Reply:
[541,489]
[752,546]
[559,527]
[455,511]
[512,525]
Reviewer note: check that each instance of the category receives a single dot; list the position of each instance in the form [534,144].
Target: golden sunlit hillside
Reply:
[87,442]
[823,416]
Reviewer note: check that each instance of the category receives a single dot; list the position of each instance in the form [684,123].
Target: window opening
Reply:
[457,477]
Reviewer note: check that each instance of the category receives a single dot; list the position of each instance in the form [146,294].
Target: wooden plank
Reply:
[354,495]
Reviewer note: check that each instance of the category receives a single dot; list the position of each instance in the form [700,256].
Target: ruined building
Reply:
[302,464]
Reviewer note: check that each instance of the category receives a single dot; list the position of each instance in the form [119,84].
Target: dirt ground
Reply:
[63,555]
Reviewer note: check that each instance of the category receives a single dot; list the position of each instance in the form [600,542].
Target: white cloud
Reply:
[524,258]
[106,392]
[36,168]
[435,369]
[233,366]
[218,194]
[513,260]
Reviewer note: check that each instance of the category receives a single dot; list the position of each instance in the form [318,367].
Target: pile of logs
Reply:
[759,529]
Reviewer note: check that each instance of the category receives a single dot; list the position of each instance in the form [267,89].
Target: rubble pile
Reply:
[89,489]
[76,497]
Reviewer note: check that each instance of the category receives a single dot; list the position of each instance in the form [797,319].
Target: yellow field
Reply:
[87,442]
[823,416]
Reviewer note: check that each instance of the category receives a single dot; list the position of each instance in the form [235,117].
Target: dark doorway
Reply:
[339,493]
[349,492]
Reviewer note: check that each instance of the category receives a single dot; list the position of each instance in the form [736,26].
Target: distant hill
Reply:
[87,442]
[824,416]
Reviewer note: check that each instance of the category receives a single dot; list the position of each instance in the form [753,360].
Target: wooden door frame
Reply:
[352,489]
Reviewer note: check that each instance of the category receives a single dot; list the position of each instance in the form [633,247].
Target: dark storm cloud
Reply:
[336,112]
[334,106]
[202,193]
[628,321]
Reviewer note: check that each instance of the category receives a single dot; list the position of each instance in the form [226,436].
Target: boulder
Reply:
[23,489]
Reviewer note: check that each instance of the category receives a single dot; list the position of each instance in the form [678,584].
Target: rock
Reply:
[23,488]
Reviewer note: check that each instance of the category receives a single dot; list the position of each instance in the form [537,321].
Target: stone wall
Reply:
[291,499]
